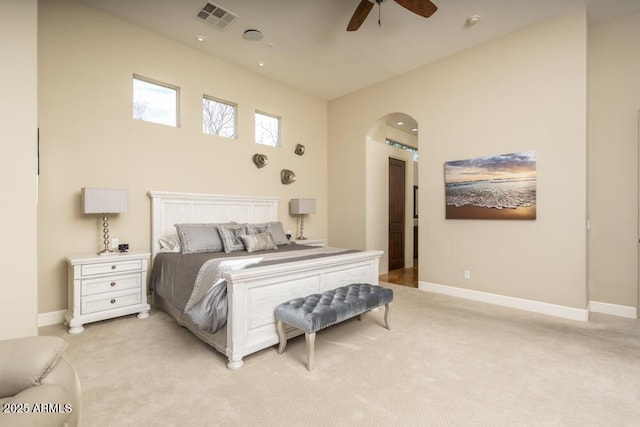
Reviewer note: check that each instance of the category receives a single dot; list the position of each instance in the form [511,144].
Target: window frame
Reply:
[279,129]
[206,97]
[414,151]
[174,88]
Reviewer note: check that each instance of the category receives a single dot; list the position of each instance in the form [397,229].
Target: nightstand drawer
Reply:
[111,267]
[111,283]
[90,305]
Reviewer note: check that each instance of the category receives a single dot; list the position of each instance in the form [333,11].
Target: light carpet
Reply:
[445,362]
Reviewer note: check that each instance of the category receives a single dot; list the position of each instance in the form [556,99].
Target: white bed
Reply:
[253,293]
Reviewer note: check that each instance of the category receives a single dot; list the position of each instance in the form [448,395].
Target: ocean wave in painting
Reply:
[496,193]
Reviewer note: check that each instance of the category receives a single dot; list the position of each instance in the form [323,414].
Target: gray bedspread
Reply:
[194,283]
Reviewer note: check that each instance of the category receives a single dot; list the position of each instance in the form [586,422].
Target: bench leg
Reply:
[282,335]
[387,309]
[310,339]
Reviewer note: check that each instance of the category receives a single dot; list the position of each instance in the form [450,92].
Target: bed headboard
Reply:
[169,208]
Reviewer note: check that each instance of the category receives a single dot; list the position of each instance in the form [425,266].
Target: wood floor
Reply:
[402,276]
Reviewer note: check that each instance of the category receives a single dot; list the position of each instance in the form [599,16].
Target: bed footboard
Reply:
[253,294]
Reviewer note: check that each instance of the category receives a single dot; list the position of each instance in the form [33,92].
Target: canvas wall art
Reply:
[495,187]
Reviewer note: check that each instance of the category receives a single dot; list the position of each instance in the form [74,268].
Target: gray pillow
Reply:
[230,235]
[257,228]
[275,228]
[196,238]
[258,242]
[278,233]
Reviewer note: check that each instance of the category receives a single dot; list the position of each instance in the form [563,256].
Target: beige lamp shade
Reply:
[302,206]
[104,200]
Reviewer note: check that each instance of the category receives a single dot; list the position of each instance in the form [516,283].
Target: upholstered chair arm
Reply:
[25,362]
[45,407]
[65,376]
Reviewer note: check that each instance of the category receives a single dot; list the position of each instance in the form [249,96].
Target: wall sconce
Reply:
[104,201]
[301,207]
[287,176]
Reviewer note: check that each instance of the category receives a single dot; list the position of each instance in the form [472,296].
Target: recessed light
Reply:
[252,35]
[414,130]
[400,123]
[260,64]
[200,38]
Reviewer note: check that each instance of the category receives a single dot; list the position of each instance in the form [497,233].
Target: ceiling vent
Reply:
[215,16]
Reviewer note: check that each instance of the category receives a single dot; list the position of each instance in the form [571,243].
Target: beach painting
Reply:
[495,187]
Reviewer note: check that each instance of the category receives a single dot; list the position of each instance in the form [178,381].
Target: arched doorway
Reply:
[392,175]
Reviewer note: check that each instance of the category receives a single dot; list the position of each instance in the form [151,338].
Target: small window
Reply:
[218,117]
[267,129]
[405,147]
[155,102]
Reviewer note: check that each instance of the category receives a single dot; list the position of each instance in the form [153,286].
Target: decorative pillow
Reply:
[275,228]
[278,233]
[258,242]
[196,238]
[258,228]
[230,235]
[170,243]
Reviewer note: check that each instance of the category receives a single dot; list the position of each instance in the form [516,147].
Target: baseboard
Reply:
[51,318]
[506,301]
[613,309]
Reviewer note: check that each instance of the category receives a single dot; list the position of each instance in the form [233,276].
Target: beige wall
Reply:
[524,91]
[614,102]
[88,138]
[377,188]
[18,167]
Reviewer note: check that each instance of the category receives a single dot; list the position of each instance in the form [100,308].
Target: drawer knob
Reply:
[113,284]
[113,267]
[113,301]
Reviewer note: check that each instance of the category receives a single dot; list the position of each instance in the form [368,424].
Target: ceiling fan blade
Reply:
[360,15]
[421,7]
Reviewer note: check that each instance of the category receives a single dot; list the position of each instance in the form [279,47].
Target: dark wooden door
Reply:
[396,213]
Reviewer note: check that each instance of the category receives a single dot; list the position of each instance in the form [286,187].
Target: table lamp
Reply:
[301,207]
[104,201]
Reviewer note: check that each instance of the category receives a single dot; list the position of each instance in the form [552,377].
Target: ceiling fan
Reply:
[421,7]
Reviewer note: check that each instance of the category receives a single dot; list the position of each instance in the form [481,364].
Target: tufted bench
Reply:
[318,311]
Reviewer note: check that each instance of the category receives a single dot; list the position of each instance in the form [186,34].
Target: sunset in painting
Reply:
[496,187]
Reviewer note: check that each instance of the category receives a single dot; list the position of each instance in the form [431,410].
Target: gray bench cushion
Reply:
[317,311]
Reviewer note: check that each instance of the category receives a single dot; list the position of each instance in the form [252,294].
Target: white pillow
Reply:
[170,243]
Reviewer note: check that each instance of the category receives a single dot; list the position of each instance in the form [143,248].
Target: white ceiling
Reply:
[306,44]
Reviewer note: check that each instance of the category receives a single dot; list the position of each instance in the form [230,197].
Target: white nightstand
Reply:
[310,242]
[104,287]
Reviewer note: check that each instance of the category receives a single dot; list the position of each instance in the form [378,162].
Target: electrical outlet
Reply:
[114,243]
[467,274]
